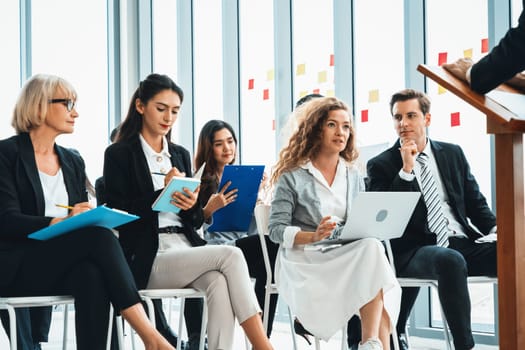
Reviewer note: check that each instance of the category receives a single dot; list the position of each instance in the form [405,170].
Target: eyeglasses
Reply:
[70,104]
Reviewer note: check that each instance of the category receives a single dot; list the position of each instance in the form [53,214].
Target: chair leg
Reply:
[395,338]
[292,330]
[110,329]
[181,321]
[204,324]
[12,327]
[66,319]
[120,331]
[317,344]
[344,344]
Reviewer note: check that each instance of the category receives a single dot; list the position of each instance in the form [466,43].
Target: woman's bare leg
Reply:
[371,315]
[137,318]
[254,330]
[384,330]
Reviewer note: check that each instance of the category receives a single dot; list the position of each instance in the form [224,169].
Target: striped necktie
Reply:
[437,222]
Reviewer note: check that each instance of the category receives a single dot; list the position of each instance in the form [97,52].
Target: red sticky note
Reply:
[316,91]
[364,115]
[442,58]
[454,119]
[266,94]
[250,84]
[484,45]
[332,60]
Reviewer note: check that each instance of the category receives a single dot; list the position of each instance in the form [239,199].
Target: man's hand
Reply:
[518,81]
[408,152]
[459,68]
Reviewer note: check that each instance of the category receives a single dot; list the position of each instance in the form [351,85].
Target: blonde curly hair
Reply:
[305,142]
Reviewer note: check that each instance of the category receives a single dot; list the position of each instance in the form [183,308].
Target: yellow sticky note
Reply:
[467,53]
[330,93]
[322,77]
[441,90]
[270,75]
[301,69]
[303,93]
[373,95]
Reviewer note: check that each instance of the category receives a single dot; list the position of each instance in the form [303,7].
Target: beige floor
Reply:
[281,338]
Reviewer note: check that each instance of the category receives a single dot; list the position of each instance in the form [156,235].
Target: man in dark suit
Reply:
[458,244]
[504,63]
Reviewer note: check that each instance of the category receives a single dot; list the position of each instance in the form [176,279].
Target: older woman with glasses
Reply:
[36,174]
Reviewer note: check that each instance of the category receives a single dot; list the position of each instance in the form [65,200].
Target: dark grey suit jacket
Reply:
[128,186]
[22,198]
[465,199]
[504,60]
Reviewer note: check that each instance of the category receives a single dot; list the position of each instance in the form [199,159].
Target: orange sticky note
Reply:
[301,69]
[266,94]
[321,77]
[442,58]
[467,53]
[454,119]
[484,45]
[270,75]
[332,60]
[364,115]
[250,84]
[373,95]
[316,91]
[441,90]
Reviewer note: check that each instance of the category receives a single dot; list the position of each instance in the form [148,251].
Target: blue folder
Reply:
[237,215]
[99,216]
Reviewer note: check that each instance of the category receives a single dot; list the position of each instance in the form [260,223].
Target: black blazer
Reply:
[22,198]
[464,196]
[128,186]
[504,60]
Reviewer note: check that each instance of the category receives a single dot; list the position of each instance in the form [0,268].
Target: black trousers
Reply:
[450,266]
[251,248]
[87,264]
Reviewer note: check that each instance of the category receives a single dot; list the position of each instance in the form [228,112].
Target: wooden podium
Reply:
[508,130]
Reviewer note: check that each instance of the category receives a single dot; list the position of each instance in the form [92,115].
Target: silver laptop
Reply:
[381,215]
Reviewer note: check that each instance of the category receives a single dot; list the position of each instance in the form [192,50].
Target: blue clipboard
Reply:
[99,216]
[237,215]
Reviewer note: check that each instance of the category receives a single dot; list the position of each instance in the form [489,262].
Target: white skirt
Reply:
[324,290]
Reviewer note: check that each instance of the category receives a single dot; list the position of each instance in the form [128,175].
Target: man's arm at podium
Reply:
[503,64]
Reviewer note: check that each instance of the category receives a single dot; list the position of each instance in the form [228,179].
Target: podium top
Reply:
[499,118]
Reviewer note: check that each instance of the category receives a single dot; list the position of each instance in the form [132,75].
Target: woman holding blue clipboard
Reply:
[217,148]
[42,184]
[163,248]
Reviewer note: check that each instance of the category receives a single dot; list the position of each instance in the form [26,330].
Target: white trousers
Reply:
[221,272]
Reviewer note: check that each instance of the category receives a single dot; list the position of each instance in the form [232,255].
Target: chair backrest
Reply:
[262,215]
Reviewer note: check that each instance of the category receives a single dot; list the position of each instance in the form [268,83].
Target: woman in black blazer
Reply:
[35,175]
[164,249]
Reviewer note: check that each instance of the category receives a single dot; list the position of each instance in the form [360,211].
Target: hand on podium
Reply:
[459,68]
[518,81]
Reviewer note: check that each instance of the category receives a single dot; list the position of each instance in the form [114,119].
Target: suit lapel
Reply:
[27,156]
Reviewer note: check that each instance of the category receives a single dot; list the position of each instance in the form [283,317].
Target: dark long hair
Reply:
[148,88]
[204,154]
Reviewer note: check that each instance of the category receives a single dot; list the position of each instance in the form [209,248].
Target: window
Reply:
[62,46]
[10,67]
[257,82]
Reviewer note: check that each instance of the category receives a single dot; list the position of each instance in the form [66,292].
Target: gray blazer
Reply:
[296,203]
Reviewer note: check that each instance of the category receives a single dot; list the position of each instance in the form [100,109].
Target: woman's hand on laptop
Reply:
[324,230]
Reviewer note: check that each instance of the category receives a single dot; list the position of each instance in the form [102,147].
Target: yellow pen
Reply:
[64,206]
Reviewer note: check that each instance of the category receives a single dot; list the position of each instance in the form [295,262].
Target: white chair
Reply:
[149,294]
[262,214]
[12,303]
[420,282]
